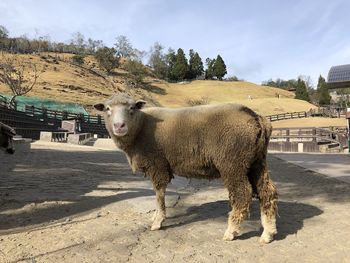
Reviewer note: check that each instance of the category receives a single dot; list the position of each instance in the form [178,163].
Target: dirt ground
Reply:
[61,203]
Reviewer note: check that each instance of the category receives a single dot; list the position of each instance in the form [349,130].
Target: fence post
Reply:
[314,134]
[99,121]
[44,114]
[64,115]
[287,134]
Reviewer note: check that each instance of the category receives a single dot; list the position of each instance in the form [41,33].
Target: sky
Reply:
[258,39]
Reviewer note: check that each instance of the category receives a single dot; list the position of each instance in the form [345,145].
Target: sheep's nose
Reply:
[119,125]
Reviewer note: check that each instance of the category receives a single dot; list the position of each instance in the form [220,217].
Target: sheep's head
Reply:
[6,136]
[121,113]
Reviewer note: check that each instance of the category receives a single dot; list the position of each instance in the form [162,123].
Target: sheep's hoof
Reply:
[156,227]
[266,238]
[229,236]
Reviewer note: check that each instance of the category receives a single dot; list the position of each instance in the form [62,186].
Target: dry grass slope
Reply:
[263,99]
[61,80]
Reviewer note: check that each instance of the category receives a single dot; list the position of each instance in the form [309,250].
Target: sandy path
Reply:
[76,204]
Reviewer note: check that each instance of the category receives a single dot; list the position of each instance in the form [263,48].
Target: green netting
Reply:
[21,101]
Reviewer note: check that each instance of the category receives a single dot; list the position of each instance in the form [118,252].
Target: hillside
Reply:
[262,98]
[61,80]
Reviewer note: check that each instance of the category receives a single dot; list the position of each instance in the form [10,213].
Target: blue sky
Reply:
[258,39]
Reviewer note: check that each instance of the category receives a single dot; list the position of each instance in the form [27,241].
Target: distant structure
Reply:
[292,89]
[339,77]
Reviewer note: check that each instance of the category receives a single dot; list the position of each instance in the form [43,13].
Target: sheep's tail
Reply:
[266,130]
[258,174]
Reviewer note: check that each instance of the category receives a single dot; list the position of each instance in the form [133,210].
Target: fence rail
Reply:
[286,116]
[328,112]
[62,115]
[310,139]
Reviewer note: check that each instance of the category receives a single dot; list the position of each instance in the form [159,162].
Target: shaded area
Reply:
[62,182]
[154,89]
[65,180]
[333,165]
[296,183]
[290,220]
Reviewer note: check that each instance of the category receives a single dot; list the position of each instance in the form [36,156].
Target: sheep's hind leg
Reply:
[240,200]
[160,213]
[268,198]
[268,208]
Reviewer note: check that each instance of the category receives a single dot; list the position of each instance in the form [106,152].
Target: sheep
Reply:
[6,138]
[227,141]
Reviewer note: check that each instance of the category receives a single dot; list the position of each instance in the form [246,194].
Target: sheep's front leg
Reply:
[160,213]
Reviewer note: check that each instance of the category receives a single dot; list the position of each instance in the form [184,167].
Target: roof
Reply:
[339,76]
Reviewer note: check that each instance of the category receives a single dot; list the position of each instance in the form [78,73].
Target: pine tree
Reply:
[219,68]
[322,90]
[301,91]
[170,58]
[209,72]
[195,67]
[181,66]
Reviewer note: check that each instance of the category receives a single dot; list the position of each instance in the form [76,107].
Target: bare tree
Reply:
[12,74]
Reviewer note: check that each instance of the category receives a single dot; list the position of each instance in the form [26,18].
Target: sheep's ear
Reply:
[139,104]
[99,106]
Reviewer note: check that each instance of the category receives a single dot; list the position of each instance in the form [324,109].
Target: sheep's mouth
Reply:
[120,132]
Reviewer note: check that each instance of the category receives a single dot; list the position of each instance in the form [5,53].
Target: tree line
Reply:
[170,65]
[174,66]
[303,89]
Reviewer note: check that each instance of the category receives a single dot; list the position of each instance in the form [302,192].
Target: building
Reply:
[339,77]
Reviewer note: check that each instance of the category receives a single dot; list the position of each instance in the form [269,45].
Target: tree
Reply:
[157,61]
[209,72]
[78,41]
[93,45]
[308,82]
[107,59]
[219,68]
[195,67]
[322,90]
[136,72]
[4,33]
[282,84]
[78,59]
[301,91]
[170,58]
[12,74]
[181,67]
[123,47]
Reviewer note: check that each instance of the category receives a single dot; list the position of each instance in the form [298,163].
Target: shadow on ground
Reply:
[296,183]
[69,177]
[64,183]
[154,89]
[290,220]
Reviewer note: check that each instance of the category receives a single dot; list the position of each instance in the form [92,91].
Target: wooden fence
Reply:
[286,116]
[306,139]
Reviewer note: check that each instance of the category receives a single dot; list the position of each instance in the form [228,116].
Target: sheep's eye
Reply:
[132,108]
